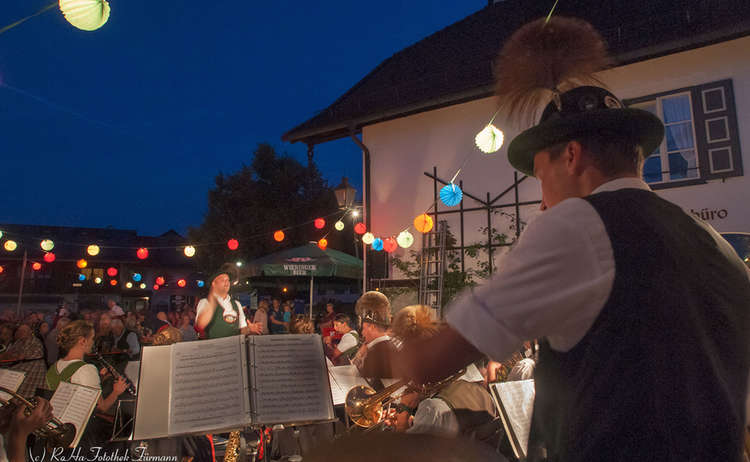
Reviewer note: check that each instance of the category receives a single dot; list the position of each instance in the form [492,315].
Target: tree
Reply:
[273,192]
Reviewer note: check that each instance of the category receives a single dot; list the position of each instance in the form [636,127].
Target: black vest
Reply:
[122,345]
[662,373]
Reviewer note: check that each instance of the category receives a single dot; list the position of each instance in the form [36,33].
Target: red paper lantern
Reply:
[323,243]
[390,244]
[159,281]
[320,223]
[36,266]
[181,282]
[233,244]
[113,282]
[111,271]
[49,257]
[142,253]
[360,228]
[278,236]
[156,286]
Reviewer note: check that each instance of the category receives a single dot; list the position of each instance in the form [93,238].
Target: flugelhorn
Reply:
[56,433]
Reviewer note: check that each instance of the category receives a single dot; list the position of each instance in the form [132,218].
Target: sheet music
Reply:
[132,370]
[343,379]
[10,380]
[74,404]
[516,400]
[207,386]
[289,379]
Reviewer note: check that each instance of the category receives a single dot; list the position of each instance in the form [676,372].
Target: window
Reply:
[700,140]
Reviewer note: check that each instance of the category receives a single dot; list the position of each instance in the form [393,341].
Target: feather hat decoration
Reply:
[544,58]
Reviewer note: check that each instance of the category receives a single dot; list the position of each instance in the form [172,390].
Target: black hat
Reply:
[229,269]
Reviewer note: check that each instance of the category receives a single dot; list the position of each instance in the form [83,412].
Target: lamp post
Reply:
[344,194]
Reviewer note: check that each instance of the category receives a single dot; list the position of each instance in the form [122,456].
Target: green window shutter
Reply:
[716,130]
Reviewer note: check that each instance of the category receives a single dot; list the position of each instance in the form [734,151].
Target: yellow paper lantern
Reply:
[189,251]
[10,246]
[368,238]
[98,280]
[85,14]
[93,250]
[47,245]
[339,225]
[129,285]
[423,223]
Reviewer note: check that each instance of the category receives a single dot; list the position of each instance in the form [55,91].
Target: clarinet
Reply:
[111,369]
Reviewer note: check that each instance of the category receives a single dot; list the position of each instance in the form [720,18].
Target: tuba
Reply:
[56,433]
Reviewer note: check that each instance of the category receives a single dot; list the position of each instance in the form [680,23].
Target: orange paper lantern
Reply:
[278,236]
[182,283]
[49,257]
[323,243]
[142,253]
[320,223]
[360,228]
[1,269]
[113,282]
[233,244]
[390,244]
[36,266]
[82,263]
[423,223]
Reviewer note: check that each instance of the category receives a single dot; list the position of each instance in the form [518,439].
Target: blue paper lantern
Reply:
[137,277]
[451,195]
[201,283]
[82,277]
[377,244]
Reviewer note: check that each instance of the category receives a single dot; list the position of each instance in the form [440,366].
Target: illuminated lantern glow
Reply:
[98,280]
[389,244]
[233,244]
[405,239]
[86,15]
[82,263]
[189,251]
[367,238]
[339,225]
[1,234]
[129,285]
[137,277]
[278,236]
[181,282]
[490,139]
[200,283]
[423,223]
[360,228]
[10,246]
[36,266]
[2,270]
[142,253]
[49,257]
[451,195]
[319,223]
[156,286]
[92,250]
[113,282]
[377,244]
[111,271]
[143,285]
[160,280]
[323,243]
[47,245]
[81,277]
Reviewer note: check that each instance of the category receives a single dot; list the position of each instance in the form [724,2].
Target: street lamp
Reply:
[345,194]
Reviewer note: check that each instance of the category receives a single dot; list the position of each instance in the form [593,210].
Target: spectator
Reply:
[103,340]
[276,318]
[6,336]
[261,316]
[29,352]
[330,315]
[50,341]
[287,315]
[187,329]
[301,325]
[125,340]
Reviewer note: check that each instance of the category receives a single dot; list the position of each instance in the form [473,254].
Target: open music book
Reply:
[515,401]
[218,385]
[74,404]
[11,380]
[343,379]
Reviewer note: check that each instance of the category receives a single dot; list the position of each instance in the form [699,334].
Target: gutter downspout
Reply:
[365,199]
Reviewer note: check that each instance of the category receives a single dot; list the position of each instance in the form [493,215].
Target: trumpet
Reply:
[366,407]
[56,433]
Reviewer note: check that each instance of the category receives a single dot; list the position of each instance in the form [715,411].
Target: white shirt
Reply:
[134,347]
[347,341]
[226,304]
[382,338]
[85,375]
[434,417]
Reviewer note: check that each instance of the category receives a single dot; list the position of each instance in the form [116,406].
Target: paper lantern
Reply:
[137,277]
[1,234]
[10,246]
[111,271]
[85,14]
[377,244]
[142,253]
[47,245]
[156,286]
[129,285]
[405,239]
[323,243]
[451,195]
[82,263]
[81,277]
[360,228]
[160,280]
[49,257]
[98,280]
[233,244]
[490,139]
[339,225]
[36,266]
[423,223]
[320,223]
[181,282]
[143,285]
[389,244]
[92,250]
[113,282]
[200,283]
[189,251]
[278,236]
[367,238]
[1,270]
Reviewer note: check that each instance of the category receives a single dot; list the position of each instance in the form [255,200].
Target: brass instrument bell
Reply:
[56,433]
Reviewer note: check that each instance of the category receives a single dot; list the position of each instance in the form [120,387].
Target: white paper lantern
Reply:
[405,239]
[368,238]
[189,251]
[339,225]
[490,139]
[85,14]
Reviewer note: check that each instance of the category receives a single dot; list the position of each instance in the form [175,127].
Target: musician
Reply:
[644,309]
[219,315]
[348,346]
[16,426]
[375,358]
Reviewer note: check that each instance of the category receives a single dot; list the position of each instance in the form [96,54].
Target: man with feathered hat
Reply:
[644,310]
[219,314]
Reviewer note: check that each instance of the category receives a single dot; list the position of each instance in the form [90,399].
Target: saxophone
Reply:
[232,450]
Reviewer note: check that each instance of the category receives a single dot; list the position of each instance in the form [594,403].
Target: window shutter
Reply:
[716,131]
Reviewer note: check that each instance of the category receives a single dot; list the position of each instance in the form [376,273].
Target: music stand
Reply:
[122,428]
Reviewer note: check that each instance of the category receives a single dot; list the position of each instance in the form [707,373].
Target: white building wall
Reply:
[402,149]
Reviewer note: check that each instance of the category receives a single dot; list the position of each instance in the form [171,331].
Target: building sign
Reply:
[300,270]
[706,214]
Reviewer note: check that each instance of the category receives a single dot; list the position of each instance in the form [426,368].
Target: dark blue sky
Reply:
[128,125]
